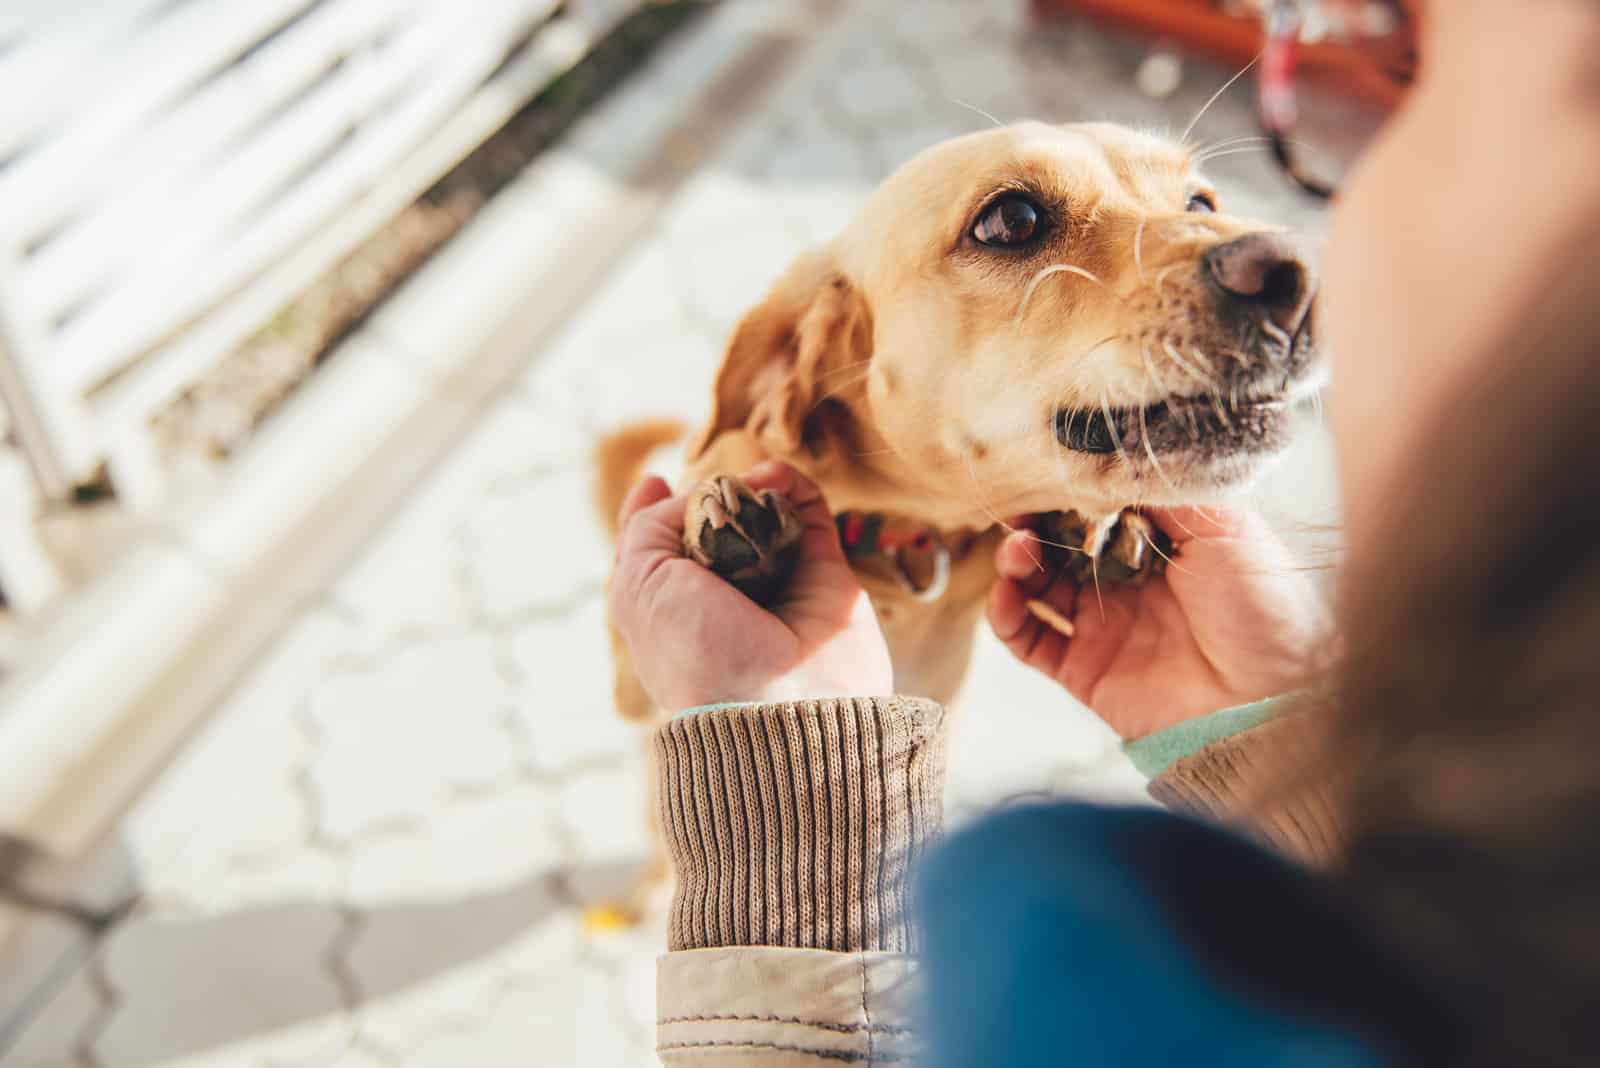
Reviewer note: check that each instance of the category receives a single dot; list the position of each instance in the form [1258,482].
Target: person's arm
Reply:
[1234,619]
[792,828]
[790,823]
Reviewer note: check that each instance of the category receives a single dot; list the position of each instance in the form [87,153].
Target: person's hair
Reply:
[1466,715]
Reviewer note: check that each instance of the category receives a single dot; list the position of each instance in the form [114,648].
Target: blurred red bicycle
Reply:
[1364,48]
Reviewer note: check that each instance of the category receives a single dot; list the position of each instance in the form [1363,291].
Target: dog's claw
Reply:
[715,513]
[1135,550]
[749,538]
[1122,549]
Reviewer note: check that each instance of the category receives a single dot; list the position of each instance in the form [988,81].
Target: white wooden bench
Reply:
[173,172]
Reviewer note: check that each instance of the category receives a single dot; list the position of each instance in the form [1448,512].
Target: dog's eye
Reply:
[1204,203]
[1011,221]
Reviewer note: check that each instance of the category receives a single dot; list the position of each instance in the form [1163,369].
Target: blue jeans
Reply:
[1077,935]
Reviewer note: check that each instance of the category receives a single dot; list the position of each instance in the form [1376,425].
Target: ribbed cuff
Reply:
[796,824]
[1154,753]
[1254,780]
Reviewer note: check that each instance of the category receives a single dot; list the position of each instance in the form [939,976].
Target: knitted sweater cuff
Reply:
[796,824]
[1254,779]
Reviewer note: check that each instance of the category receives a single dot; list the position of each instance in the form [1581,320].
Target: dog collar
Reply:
[872,534]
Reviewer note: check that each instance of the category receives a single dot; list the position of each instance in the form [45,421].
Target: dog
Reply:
[1033,320]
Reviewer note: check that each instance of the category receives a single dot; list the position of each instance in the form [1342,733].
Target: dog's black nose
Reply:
[1266,275]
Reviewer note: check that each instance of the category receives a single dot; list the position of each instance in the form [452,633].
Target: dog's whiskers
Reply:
[852,384]
[1243,145]
[1252,338]
[1059,455]
[1054,269]
[1170,561]
[1222,416]
[1094,572]
[1204,361]
[1150,451]
[1245,151]
[1111,428]
[1206,152]
[1144,425]
[1217,96]
[1166,272]
[1278,334]
[830,372]
[1240,150]
[1188,368]
[1138,248]
[1156,379]
[977,492]
[975,108]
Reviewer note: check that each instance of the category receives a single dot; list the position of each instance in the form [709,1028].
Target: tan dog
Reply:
[1031,319]
[1025,320]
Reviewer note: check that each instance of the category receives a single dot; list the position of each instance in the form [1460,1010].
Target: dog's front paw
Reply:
[750,538]
[1135,549]
[1122,549]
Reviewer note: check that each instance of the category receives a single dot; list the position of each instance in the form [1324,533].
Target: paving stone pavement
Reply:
[378,851]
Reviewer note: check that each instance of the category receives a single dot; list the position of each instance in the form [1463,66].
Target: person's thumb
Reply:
[643,495]
[651,535]
[1223,542]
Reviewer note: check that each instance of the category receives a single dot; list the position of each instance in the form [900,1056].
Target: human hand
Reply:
[1232,620]
[696,640]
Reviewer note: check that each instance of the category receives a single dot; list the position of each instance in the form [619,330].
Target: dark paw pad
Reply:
[749,538]
[1125,548]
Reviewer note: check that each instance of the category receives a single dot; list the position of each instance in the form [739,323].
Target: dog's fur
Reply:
[910,369]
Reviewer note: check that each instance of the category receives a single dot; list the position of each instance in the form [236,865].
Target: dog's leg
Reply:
[648,894]
[750,538]
[641,899]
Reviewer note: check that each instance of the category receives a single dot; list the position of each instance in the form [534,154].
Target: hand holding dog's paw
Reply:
[1229,620]
[697,640]
[750,538]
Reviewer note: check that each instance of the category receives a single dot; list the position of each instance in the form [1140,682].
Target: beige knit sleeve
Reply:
[796,824]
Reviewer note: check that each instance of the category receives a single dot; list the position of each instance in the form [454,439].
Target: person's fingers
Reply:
[643,495]
[1224,542]
[1189,523]
[1031,639]
[1025,560]
[1042,648]
[1007,609]
[652,533]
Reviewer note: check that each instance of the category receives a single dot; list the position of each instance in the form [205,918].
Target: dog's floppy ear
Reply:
[787,355]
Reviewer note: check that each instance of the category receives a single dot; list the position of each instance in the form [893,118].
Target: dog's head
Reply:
[1031,318]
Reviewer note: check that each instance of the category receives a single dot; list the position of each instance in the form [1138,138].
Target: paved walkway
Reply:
[378,852]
